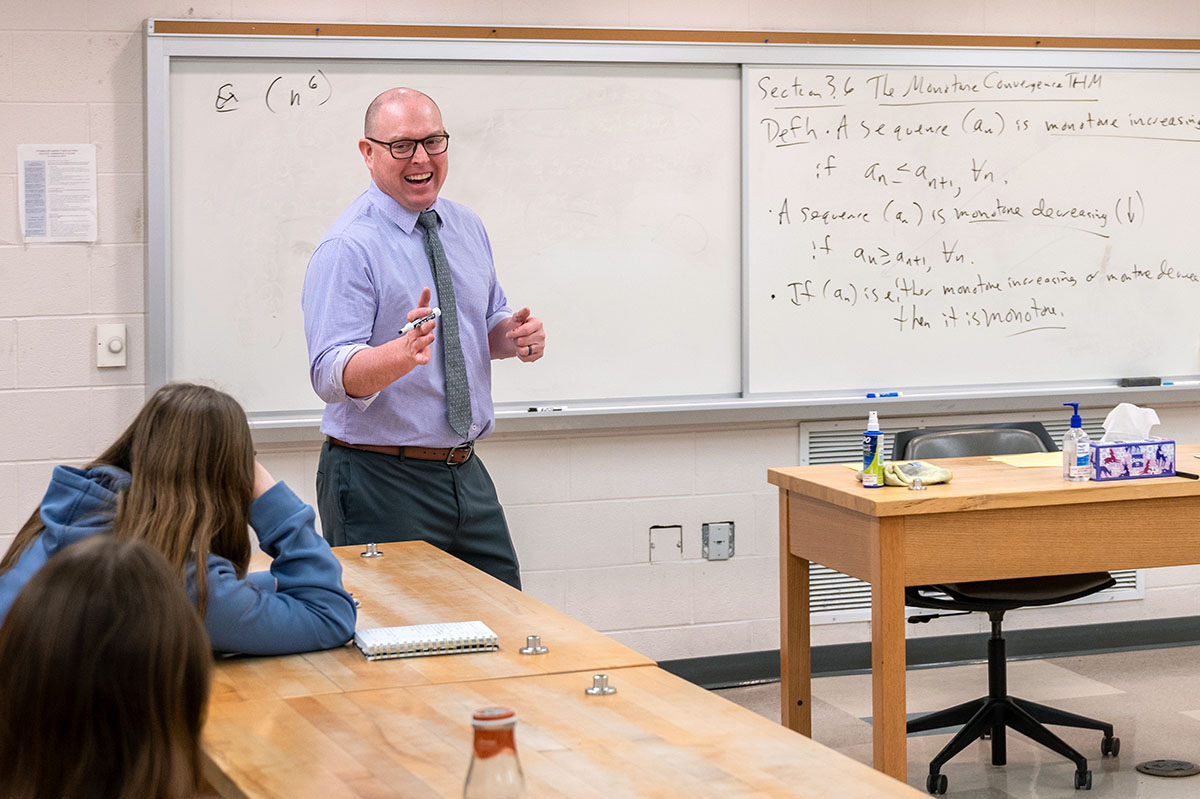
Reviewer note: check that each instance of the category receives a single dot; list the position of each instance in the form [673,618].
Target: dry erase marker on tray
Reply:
[547,409]
[414,324]
[873,395]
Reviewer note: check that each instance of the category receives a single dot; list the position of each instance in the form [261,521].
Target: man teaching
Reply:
[404,410]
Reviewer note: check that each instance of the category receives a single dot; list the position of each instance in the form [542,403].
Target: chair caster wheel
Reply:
[936,783]
[1083,780]
[1110,746]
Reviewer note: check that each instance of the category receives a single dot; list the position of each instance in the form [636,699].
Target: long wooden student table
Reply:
[332,724]
[992,521]
[416,583]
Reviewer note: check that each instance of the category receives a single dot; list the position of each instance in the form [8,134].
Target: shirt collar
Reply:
[403,218]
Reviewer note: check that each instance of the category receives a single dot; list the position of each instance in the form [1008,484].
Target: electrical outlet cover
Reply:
[716,540]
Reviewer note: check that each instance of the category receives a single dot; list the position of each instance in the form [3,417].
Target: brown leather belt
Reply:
[452,456]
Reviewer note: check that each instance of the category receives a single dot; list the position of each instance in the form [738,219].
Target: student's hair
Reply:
[191,459]
[105,671]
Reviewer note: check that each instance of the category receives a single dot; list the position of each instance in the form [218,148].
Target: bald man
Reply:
[398,462]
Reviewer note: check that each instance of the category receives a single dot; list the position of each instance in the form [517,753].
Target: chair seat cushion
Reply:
[1030,590]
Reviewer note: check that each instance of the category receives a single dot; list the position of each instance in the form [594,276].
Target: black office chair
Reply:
[990,715]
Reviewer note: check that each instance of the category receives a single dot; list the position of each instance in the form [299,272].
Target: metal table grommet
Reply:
[600,686]
[533,646]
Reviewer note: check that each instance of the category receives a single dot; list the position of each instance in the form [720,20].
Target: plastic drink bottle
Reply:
[495,772]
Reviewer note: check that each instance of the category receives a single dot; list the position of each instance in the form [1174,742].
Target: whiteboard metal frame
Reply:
[162,48]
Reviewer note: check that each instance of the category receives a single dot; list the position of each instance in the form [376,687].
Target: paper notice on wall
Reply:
[56,192]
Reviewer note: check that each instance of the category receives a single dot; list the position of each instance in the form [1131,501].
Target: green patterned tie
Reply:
[458,393]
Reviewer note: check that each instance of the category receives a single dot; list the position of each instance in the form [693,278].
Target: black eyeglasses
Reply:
[403,149]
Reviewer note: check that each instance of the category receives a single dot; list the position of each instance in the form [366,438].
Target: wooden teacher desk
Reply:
[332,724]
[991,522]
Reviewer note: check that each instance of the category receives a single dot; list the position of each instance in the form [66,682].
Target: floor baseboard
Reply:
[749,668]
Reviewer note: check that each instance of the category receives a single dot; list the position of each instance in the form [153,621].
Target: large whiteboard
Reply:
[957,226]
[704,226]
[611,193]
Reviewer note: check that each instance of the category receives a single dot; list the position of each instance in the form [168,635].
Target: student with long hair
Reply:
[183,478]
[104,679]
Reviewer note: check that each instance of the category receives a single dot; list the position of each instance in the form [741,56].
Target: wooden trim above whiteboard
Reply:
[240,28]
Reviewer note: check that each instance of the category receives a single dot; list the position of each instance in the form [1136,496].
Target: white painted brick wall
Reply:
[111,410]
[32,479]
[1173,576]
[6,63]
[117,279]
[639,595]
[743,587]
[735,460]
[604,467]
[121,196]
[89,67]
[8,353]
[45,424]
[129,15]
[296,466]
[61,351]
[10,231]
[62,16]
[118,131]
[533,470]
[43,280]
[573,535]
[580,504]
[12,512]
[41,123]
[672,643]
[766,522]
[549,587]
[764,634]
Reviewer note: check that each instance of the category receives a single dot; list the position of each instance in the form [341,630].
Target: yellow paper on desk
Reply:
[1030,459]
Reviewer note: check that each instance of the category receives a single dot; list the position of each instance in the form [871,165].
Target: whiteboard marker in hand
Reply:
[414,324]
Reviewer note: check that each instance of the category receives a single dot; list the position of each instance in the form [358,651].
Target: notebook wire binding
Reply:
[420,640]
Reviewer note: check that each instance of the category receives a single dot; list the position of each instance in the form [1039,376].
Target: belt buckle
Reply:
[468,446]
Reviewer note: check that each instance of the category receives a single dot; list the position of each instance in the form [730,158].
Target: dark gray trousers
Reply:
[366,496]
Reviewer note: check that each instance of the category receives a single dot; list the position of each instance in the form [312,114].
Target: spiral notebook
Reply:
[417,640]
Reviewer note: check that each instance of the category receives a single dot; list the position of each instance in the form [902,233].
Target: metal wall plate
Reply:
[716,540]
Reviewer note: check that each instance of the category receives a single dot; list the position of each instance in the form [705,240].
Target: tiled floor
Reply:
[1152,698]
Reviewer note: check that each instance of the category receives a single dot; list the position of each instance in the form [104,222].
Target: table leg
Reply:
[795,654]
[888,650]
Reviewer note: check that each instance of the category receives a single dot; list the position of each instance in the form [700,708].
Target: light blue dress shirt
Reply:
[362,280]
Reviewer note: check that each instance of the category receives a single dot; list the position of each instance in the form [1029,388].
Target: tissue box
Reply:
[1126,460]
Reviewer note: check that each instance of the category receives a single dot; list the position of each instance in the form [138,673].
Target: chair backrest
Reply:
[957,442]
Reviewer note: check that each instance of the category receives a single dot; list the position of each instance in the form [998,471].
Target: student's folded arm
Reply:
[263,580]
[308,609]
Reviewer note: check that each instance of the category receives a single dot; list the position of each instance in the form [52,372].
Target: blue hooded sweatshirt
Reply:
[298,606]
